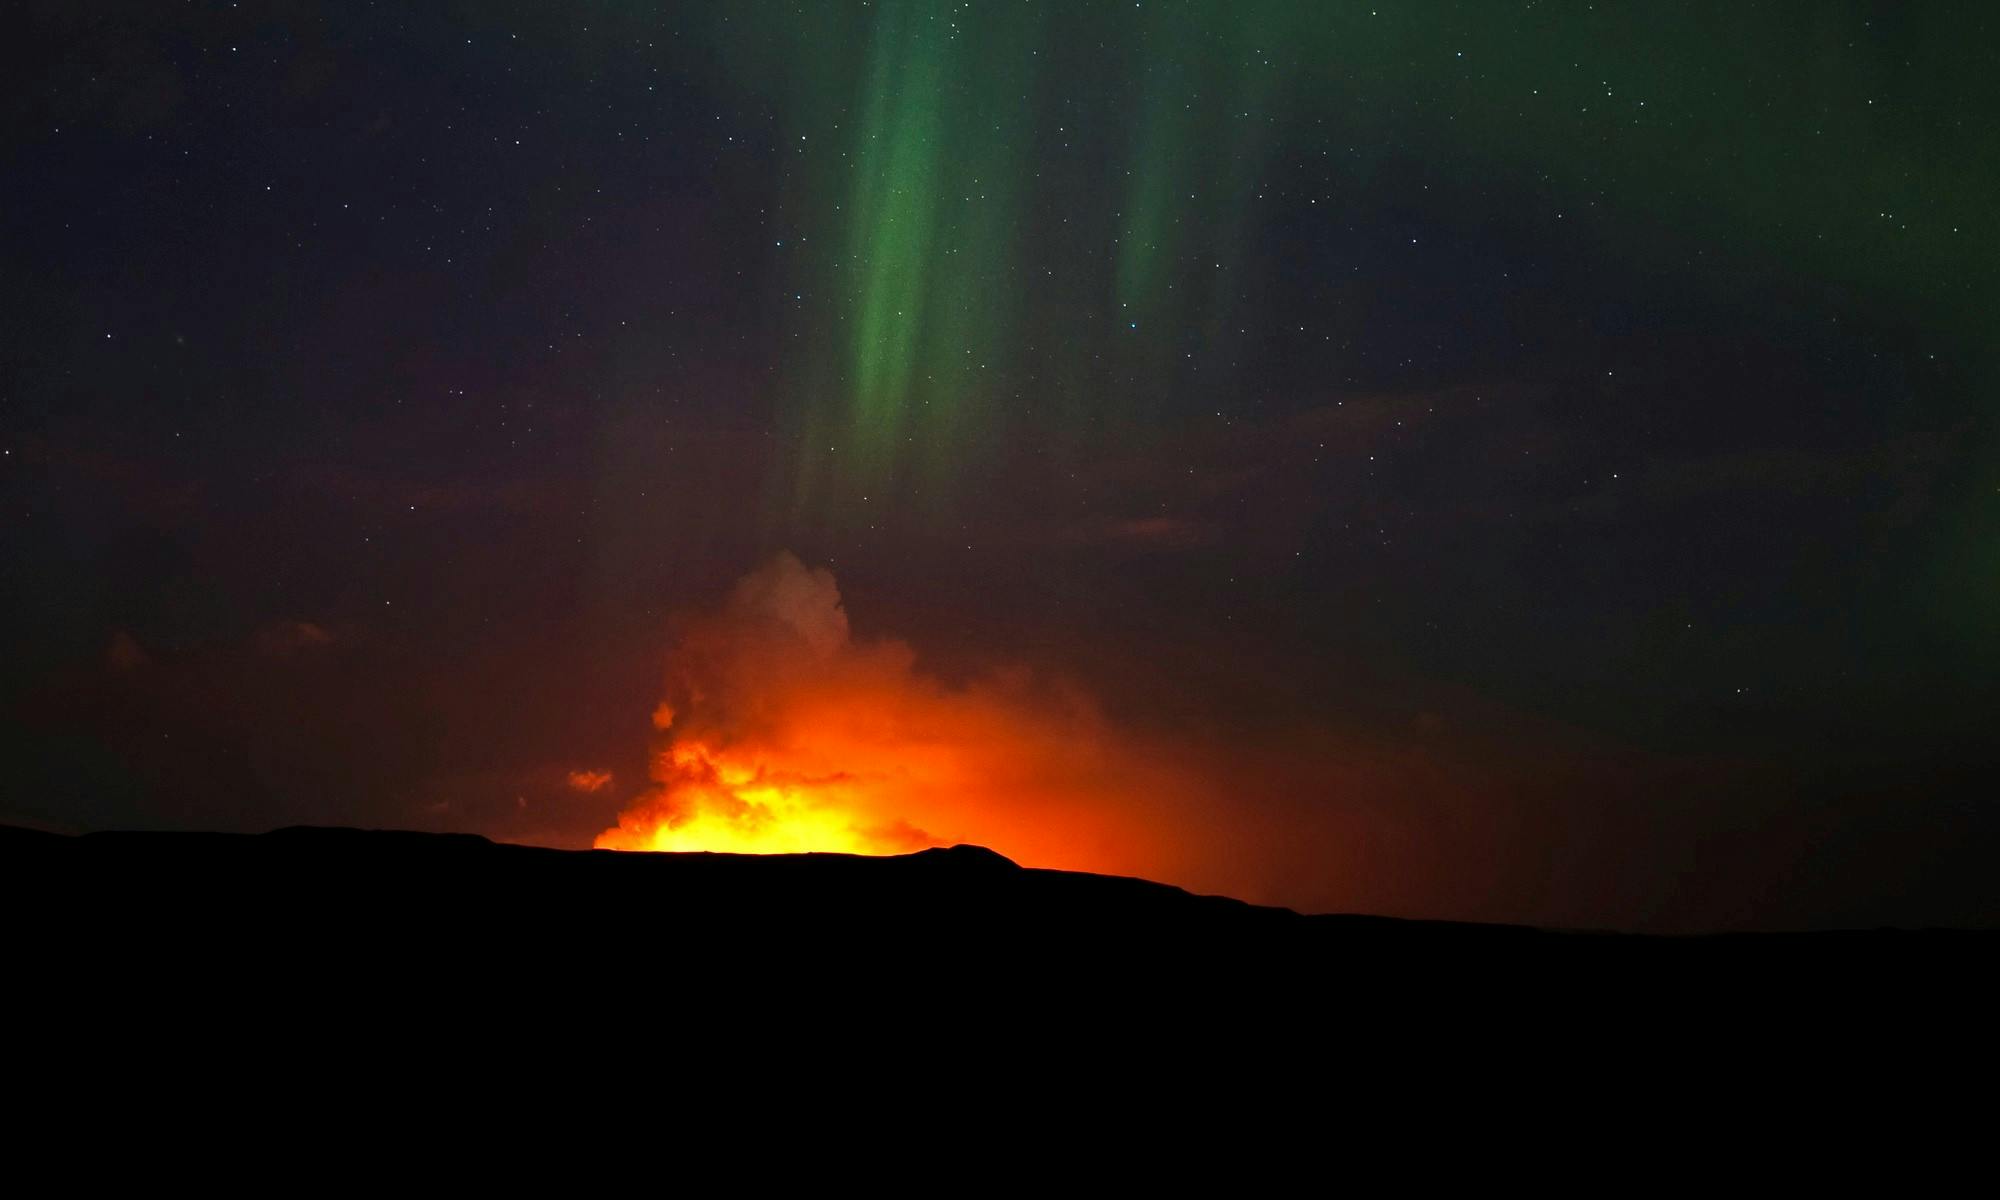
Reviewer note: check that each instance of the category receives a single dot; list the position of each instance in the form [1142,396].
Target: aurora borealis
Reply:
[994,206]
[1507,461]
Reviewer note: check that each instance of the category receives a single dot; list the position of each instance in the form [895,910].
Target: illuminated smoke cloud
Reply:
[781,732]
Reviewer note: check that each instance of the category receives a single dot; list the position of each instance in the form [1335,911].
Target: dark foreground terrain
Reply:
[418,900]
[343,973]
[321,938]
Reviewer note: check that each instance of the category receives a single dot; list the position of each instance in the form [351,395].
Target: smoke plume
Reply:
[780,731]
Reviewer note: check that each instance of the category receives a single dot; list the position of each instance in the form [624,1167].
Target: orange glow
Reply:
[780,733]
[708,801]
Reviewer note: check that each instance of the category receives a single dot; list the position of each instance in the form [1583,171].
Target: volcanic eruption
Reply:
[782,732]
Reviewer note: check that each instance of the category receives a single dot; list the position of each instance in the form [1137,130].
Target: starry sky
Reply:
[1581,415]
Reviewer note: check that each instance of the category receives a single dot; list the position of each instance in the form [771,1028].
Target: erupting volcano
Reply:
[782,733]
[705,800]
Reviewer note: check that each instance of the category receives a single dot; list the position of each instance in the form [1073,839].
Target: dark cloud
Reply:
[1156,532]
[291,638]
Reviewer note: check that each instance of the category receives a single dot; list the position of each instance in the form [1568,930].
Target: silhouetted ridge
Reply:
[969,857]
[647,957]
[357,880]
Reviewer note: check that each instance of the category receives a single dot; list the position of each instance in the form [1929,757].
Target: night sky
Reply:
[1525,461]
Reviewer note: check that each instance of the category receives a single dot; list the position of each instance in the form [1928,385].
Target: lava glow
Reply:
[781,734]
[711,802]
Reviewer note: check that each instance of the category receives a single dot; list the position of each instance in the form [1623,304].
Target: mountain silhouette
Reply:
[444,943]
[412,891]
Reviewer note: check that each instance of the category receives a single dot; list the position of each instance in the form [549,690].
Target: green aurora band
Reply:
[1030,222]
